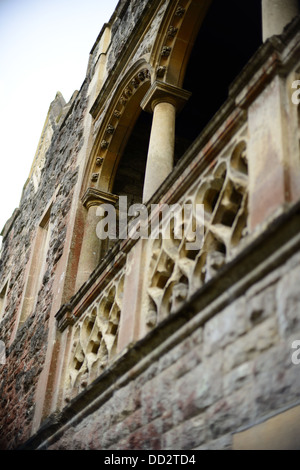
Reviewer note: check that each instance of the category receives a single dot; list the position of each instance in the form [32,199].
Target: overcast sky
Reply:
[44,48]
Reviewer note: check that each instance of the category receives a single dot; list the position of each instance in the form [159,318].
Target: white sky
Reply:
[44,48]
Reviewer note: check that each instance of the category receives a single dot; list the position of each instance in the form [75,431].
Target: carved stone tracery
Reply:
[94,339]
[176,272]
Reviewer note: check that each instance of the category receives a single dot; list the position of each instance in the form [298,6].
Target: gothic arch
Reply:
[116,128]
[168,59]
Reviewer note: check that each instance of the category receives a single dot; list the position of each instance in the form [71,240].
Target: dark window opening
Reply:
[229,36]
[130,174]
[129,180]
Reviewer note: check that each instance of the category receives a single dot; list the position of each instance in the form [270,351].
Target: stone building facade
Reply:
[143,343]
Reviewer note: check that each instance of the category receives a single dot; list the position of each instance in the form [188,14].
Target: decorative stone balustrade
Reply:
[93,338]
[177,272]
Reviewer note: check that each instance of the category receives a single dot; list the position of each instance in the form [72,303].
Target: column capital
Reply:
[95,197]
[161,92]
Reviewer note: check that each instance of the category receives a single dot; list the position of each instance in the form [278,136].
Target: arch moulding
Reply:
[116,127]
[175,39]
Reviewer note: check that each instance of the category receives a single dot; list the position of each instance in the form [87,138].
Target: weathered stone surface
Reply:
[261,305]
[189,434]
[250,345]
[237,378]
[288,303]
[276,379]
[223,443]
[225,327]
[123,27]
[231,412]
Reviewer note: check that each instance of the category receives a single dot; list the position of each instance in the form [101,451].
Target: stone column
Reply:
[276,14]
[92,246]
[164,101]
[161,148]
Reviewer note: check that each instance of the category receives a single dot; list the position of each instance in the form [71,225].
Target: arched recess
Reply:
[116,128]
[176,34]
[117,122]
